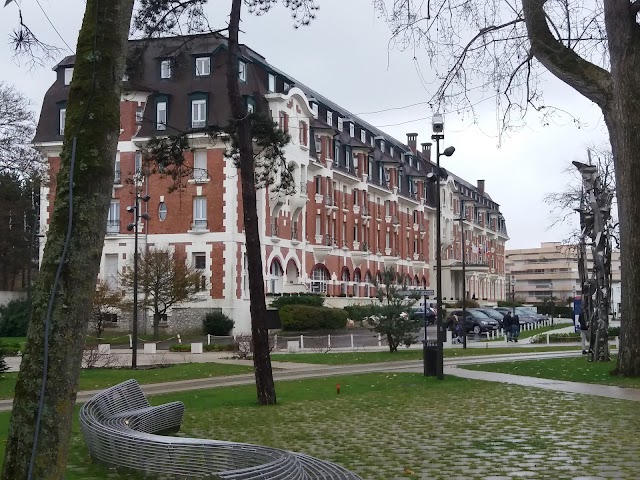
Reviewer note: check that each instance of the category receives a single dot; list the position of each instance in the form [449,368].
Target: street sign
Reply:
[422,293]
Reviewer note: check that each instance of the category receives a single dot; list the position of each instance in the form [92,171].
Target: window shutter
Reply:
[286,122]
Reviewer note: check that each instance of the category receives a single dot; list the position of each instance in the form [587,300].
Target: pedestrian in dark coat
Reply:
[507,321]
[515,328]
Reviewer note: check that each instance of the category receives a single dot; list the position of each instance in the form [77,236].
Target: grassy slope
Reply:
[569,369]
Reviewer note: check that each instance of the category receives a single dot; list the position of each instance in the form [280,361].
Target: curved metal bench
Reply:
[121,429]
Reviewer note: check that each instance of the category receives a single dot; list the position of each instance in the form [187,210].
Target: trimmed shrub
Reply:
[221,347]
[555,310]
[308,299]
[180,348]
[305,317]
[3,363]
[218,324]
[614,332]
[14,318]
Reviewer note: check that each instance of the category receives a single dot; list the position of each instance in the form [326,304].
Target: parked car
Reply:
[496,315]
[527,316]
[524,315]
[475,321]
[419,311]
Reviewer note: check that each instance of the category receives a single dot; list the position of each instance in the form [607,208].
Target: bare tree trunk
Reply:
[259,333]
[93,118]
[623,122]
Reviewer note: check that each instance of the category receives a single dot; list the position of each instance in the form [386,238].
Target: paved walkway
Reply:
[297,371]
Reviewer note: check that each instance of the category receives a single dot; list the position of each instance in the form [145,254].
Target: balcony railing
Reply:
[303,187]
[394,220]
[328,201]
[364,211]
[295,233]
[274,229]
[117,179]
[329,241]
[199,224]
[113,226]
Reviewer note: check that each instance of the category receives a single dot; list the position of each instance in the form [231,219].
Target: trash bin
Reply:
[430,352]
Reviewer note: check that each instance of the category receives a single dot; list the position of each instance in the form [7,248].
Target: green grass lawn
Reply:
[104,377]
[352,358]
[384,426]
[569,369]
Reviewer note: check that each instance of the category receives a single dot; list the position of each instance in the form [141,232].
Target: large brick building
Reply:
[363,202]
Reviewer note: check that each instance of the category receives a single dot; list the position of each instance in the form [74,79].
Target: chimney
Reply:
[412,141]
[426,150]
[481,186]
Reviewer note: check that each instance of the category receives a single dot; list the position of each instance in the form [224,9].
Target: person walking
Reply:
[584,333]
[507,321]
[515,328]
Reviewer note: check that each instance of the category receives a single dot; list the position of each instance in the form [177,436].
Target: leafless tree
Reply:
[17,126]
[565,202]
[499,50]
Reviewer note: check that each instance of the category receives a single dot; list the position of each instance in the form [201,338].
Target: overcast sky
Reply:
[344,55]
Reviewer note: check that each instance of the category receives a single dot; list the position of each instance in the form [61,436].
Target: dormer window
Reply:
[68,75]
[329,118]
[336,153]
[382,145]
[203,66]
[198,113]
[373,141]
[161,114]
[165,69]
[340,124]
[352,129]
[63,120]
[251,105]
[272,83]
[363,135]
[287,86]
[242,71]
[391,151]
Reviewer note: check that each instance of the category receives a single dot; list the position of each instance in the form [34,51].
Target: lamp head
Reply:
[130,227]
[130,209]
[448,151]
[146,198]
[432,177]
[145,215]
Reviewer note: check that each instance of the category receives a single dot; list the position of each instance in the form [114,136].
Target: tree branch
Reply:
[590,80]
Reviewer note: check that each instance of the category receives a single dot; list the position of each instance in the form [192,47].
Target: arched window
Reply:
[367,284]
[356,280]
[319,278]
[276,273]
[345,277]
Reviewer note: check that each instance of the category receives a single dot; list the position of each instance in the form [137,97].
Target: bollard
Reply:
[352,342]
[275,342]
[130,341]
[328,341]
[208,339]
[179,339]
[301,342]
[379,340]
[547,339]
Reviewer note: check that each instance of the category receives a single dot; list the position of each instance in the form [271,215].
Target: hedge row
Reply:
[569,337]
[312,300]
[304,317]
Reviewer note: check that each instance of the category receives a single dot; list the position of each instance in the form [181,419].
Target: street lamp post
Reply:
[438,129]
[135,209]
[464,273]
